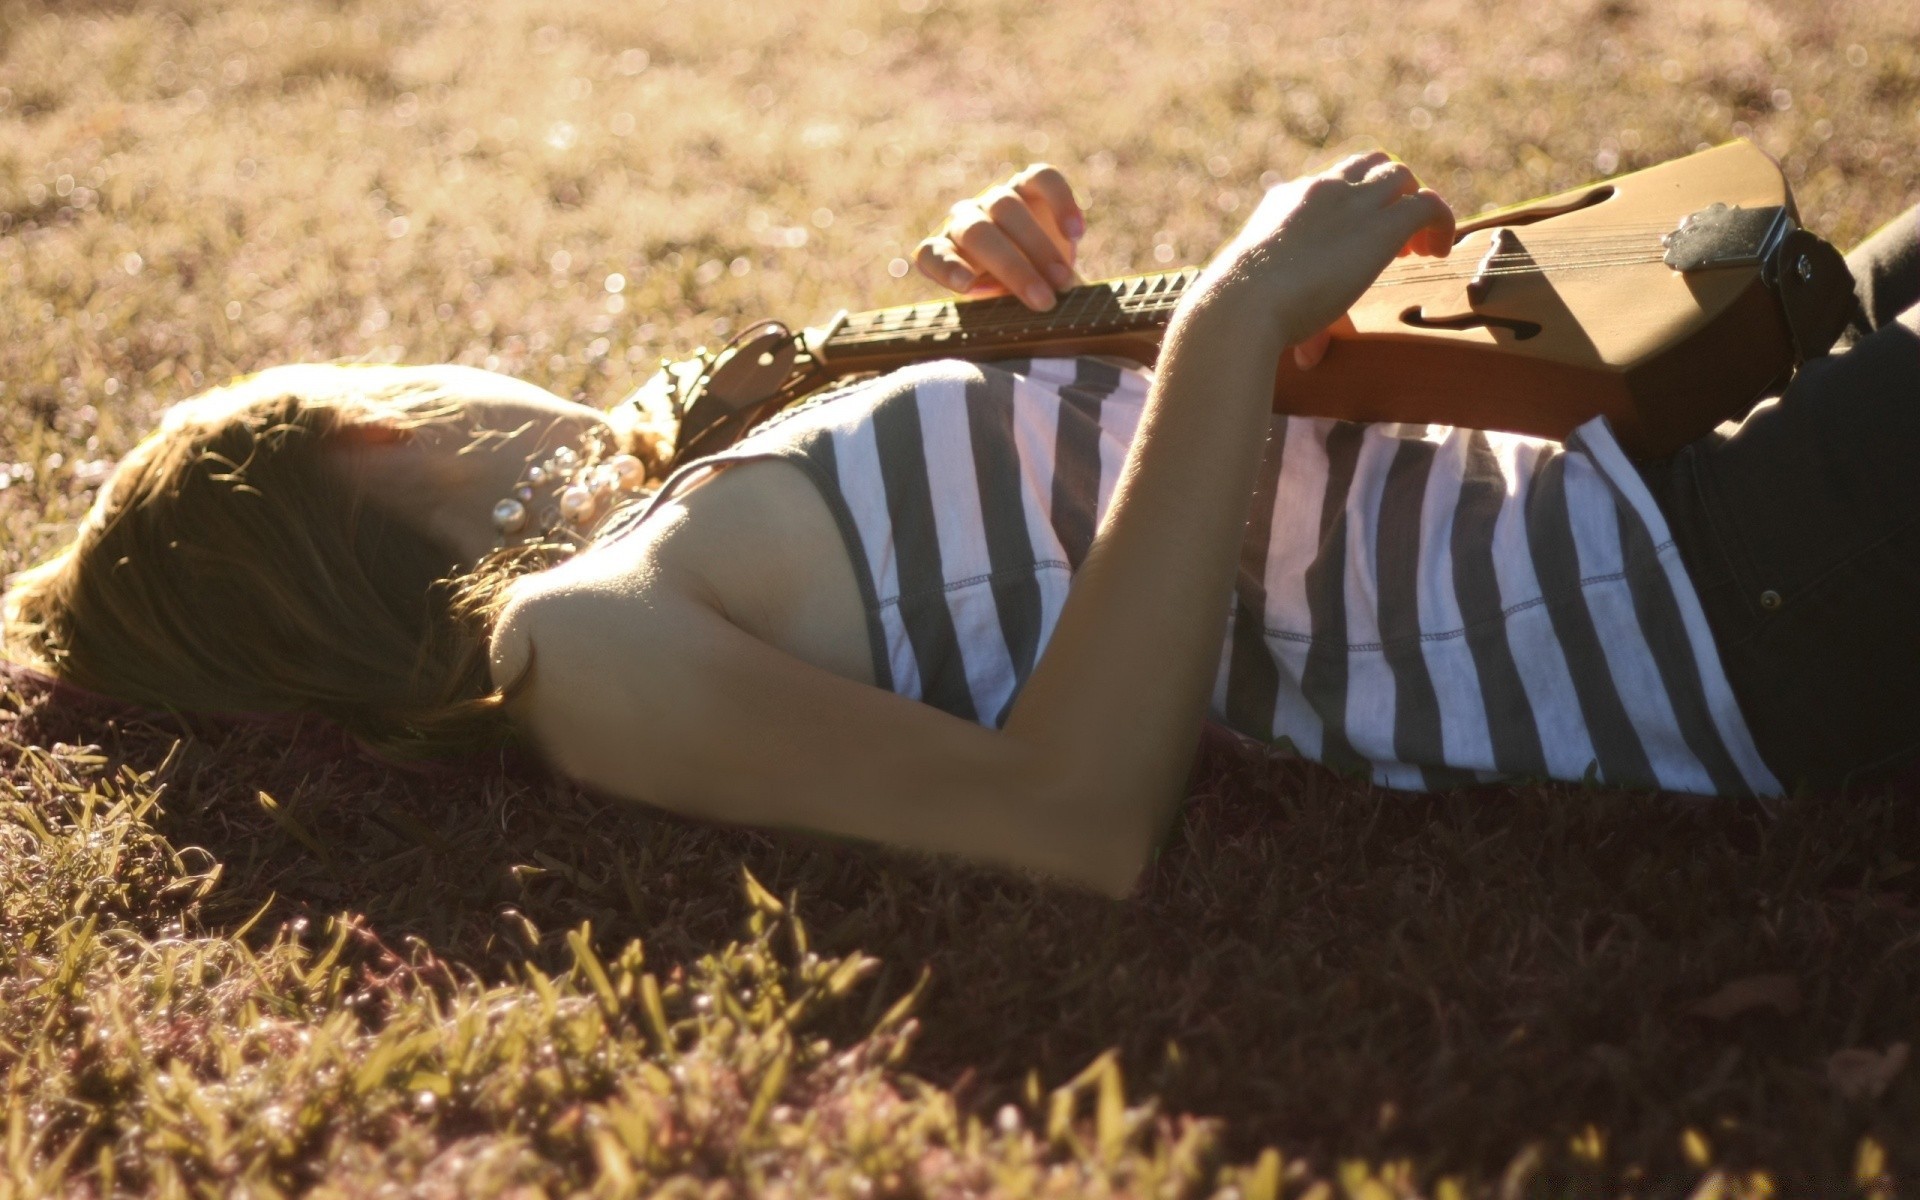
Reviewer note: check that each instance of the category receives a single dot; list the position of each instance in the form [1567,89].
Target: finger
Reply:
[1427,221]
[990,252]
[1308,354]
[1396,180]
[1045,187]
[1434,241]
[1354,169]
[985,289]
[939,260]
[1014,216]
[1426,242]
[1418,243]
[1388,178]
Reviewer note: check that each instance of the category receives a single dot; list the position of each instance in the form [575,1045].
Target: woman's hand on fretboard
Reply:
[1017,237]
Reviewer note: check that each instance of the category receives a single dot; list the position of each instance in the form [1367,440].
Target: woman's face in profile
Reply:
[444,474]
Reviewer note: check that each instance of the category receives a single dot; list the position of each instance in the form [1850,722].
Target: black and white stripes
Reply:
[1432,606]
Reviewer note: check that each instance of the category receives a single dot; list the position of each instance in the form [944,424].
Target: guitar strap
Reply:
[716,399]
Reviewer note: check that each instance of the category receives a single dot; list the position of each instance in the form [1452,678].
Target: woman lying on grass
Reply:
[859,620]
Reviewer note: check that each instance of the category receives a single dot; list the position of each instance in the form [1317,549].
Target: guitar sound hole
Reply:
[1521,330]
[1514,218]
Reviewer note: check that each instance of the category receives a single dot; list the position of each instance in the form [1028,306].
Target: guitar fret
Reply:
[1079,306]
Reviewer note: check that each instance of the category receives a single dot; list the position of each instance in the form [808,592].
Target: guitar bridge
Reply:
[1504,244]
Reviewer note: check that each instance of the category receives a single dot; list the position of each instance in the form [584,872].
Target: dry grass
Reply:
[237,956]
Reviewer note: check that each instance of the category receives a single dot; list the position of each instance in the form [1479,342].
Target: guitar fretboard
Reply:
[1135,303]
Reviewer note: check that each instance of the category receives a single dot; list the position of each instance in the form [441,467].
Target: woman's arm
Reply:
[1118,696]
[640,686]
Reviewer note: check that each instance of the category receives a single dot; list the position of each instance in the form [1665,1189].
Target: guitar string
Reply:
[1574,242]
[1519,264]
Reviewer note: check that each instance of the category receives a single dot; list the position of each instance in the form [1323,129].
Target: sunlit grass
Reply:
[238,956]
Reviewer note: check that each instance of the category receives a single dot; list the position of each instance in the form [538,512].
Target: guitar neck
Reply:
[1129,312]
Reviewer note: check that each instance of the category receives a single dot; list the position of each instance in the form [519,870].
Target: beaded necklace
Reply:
[573,488]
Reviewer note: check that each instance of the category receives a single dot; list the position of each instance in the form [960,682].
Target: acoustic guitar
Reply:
[1669,300]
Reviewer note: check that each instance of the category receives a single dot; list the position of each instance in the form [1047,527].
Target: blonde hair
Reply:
[227,567]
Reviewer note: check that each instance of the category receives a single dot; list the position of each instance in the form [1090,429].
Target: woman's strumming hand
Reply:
[1315,244]
[1017,237]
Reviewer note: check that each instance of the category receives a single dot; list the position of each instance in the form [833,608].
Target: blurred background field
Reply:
[1501,990]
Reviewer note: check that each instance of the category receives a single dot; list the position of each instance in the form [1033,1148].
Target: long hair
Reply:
[227,567]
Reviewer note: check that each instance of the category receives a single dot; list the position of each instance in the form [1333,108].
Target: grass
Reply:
[243,958]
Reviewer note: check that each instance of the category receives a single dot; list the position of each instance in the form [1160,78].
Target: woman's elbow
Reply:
[1104,829]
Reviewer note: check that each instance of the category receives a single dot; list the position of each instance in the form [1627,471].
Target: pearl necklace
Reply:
[581,489]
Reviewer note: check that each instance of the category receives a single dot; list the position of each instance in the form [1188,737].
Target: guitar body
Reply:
[1667,300]
[1665,355]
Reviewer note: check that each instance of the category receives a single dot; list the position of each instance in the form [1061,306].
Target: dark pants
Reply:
[1801,530]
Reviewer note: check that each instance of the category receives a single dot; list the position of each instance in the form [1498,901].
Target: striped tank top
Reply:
[1431,606]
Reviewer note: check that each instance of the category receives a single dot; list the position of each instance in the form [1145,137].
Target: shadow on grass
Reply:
[1330,967]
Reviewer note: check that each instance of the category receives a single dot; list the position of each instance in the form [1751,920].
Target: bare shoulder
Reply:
[606,602]
[534,609]
[510,646]
[586,651]
[728,547]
